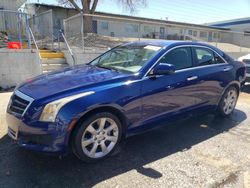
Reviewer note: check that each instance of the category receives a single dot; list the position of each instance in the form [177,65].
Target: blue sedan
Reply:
[89,109]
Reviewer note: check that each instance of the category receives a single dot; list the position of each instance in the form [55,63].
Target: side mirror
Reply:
[163,69]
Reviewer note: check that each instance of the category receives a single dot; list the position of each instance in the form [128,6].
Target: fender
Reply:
[235,82]
[90,109]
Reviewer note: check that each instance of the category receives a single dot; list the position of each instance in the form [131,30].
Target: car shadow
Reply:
[24,168]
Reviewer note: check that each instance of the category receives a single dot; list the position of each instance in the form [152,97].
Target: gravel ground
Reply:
[199,152]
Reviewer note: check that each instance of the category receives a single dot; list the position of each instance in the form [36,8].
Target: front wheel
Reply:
[228,101]
[97,137]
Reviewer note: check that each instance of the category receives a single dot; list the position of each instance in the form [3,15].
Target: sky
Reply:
[190,11]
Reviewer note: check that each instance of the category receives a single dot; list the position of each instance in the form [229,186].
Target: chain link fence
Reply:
[97,33]
[101,32]
[42,28]
[73,30]
[14,27]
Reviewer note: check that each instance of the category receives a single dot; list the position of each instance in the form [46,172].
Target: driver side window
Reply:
[181,58]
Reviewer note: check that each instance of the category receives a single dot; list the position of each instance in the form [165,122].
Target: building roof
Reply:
[227,23]
[136,18]
[49,5]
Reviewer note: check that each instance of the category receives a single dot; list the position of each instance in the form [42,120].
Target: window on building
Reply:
[190,32]
[216,35]
[206,57]
[131,28]
[148,29]
[195,33]
[105,25]
[181,58]
[58,23]
[203,34]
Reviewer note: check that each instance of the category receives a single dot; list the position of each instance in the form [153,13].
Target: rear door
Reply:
[213,73]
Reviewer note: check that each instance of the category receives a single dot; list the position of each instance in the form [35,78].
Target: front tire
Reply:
[228,101]
[97,137]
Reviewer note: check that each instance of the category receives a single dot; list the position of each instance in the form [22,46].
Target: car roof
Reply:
[167,43]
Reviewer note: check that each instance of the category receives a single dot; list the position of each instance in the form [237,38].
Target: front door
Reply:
[167,95]
[162,32]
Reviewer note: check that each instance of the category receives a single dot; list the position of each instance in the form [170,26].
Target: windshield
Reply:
[128,58]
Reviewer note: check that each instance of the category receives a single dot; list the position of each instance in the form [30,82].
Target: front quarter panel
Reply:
[124,97]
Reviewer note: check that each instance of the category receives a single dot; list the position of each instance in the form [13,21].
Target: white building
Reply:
[241,27]
[130,26]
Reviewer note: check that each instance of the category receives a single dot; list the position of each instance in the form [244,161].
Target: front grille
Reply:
[44,140]
[19,103]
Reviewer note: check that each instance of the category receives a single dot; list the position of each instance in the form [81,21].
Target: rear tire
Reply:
[97,137]
[228,102]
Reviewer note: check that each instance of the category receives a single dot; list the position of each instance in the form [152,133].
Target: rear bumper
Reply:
[38,136]
[247,77]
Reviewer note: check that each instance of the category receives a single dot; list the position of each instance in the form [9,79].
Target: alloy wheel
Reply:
[230,101]
[99,137]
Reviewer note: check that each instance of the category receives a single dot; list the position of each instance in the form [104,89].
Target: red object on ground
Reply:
[14,45]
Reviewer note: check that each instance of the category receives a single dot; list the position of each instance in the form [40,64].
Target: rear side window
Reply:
[218,59]
[206,57]
[181,58]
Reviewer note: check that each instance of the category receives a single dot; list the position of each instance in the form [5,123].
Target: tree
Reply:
[89,7]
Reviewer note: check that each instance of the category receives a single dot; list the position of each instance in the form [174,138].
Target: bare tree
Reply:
[132,5]
[89,7]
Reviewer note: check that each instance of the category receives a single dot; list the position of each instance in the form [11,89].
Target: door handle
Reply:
[192,78]
[226,69]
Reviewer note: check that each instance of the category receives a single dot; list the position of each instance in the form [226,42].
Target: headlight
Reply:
[51,110]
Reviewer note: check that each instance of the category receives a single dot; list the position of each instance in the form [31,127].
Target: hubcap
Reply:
[230,101]
[100,137]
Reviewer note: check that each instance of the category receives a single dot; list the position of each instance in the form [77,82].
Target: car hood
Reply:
[78,77]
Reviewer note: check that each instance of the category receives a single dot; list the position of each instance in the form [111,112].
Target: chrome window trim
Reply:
[25,97]
[199,67]
[189,68]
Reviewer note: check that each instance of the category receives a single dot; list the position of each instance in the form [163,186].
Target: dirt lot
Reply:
[200,152]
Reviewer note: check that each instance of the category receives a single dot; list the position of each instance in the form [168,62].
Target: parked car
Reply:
[89,109]
[246,60]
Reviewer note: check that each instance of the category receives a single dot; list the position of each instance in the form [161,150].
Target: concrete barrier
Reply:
[17,66]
